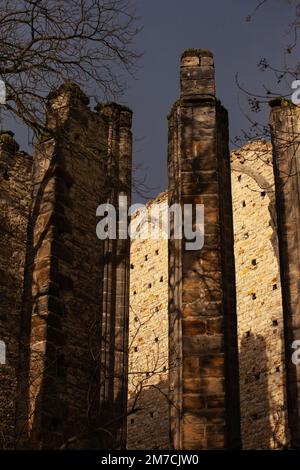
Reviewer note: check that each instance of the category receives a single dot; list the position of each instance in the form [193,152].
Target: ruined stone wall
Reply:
[259,308]
[148,406]
[74,325]
[15,203]
[260,314]
[285,129]
[65,313]
[63,279]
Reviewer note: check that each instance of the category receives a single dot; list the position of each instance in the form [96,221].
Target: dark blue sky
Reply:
[169,27]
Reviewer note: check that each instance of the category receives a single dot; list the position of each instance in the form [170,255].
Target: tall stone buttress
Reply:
[203,358]
[64,314]
[285,129]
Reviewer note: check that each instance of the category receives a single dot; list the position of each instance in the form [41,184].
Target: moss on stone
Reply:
[71,87]
[7,132]
[209,100]
[47,135]
[7,137]
[217,101]
[279,101]
[196,52]
[202,101]
[174,107]
[112,104]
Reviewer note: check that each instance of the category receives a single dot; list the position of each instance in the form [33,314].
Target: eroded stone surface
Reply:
[15,204]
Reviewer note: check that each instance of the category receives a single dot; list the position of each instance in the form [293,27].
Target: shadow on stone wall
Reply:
[255,405]
[28,434]
[263,420]
[148,418]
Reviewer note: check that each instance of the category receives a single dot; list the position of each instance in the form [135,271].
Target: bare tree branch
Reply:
[45,42]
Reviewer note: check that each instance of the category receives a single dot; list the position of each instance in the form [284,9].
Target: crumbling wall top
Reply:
[7,138]
[72,90]
[111,110]
[197,75]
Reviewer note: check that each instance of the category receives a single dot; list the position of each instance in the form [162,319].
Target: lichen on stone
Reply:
[279,101]
[196,52]
[112,104]
[47,135]
[174,107]
[2,132]
[7,137]
[71,87]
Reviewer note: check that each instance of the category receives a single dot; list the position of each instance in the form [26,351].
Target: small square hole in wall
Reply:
[248,333]
[164,369]
[278,369]
[275,322]
[156,309]
[255,416]
[263,193]
[274,287]
[243,203]
[253,262]
[253,296]
[146,257]
[136,319]
[239,178]
[132,421]
[161,279]
[151,414]
[135,349]
[149,285]
[131,266]
[156,339]
[157,252]
[134,292]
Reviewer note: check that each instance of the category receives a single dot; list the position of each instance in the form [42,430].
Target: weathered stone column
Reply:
[285,128]
[114,345]
[204,385]
[15,202]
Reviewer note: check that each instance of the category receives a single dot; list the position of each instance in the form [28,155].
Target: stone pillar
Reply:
[15,202]
[204,379]
[285,128]
[114,345]
[64,281]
